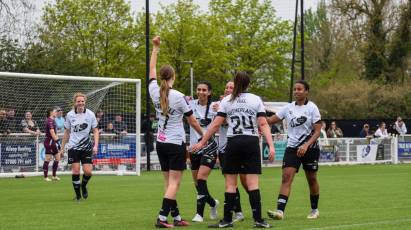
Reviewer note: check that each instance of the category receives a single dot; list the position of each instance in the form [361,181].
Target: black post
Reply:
[147,81]
[302,39]
[293,57]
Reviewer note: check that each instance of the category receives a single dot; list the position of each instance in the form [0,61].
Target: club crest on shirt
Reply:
[297,121]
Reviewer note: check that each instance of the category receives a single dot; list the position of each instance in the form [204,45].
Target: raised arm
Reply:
[153,60]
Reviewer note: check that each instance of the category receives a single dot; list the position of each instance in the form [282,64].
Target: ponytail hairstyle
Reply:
[241,83]
[166,73]
[210,88]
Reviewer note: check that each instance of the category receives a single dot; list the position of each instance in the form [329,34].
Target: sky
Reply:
[285,8]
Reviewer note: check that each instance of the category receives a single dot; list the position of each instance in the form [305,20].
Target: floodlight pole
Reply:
[293,61]
[290,99]
[147,83]
[302,39]
[191,77]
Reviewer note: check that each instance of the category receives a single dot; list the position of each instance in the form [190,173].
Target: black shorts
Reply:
[171,156]
[242,155]
[50,146]
[203,159]
[77,156]
[309,160]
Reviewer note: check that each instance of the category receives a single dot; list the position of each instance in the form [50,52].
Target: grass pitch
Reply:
[351,197]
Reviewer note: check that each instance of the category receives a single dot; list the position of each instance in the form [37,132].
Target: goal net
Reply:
[25,99]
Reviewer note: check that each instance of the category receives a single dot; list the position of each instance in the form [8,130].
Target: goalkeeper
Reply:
[51,145]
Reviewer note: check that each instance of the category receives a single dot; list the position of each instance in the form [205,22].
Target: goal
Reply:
[25,99]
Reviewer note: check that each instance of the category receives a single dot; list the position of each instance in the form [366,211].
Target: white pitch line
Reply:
[362,224]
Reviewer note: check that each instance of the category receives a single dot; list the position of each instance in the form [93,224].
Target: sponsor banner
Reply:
[116,153]
[327,153]
[366,153]
[18,154]
[279,147]
[404,150]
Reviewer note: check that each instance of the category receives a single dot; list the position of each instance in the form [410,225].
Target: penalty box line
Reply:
[362,224]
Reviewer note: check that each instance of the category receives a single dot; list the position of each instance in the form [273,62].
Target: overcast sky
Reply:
[285,8]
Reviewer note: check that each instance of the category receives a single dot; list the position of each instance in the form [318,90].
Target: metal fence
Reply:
[22,153]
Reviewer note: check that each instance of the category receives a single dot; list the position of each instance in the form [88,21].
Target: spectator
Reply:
[59,120]
[381,131]
[334,131]
[109,128]
[400,126]
[4,123]
[365,132]
[100,120]
[29,125]
[13,124]
[120,126]
[323,135]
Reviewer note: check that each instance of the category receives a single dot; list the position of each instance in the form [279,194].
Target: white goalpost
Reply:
[25,99]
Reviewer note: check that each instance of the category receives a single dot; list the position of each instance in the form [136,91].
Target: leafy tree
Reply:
[11,55]
[257,42]
[96,32]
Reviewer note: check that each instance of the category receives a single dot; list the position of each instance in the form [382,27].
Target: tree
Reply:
[11,55]
[257,42]
[400,48]
[372,23]
[99,33]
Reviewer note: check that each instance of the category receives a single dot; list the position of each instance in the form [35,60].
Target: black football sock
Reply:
[282,202]
[228,206]
[76,185]
[314,201]
[237,205]
[255,203]
[165,209]
[85,180]
[175,213]
[203,190]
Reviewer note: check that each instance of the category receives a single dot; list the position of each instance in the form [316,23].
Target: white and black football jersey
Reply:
[170,127]
[241,114]
[80,125]
[300,121]
[199,112]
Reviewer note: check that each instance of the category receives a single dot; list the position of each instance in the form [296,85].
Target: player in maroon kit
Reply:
[51,144]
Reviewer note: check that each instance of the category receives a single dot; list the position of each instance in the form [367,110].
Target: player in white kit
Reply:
[170,106]
[79,123]
[304,127]
[204,160]
[222,143]
[244,112]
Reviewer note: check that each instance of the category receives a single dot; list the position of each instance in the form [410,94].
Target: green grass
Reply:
[352,197]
